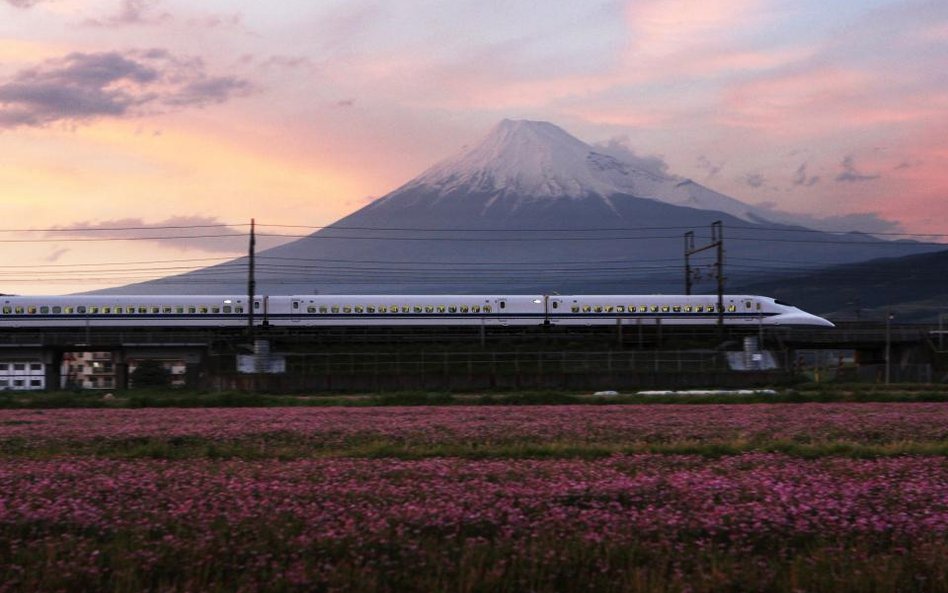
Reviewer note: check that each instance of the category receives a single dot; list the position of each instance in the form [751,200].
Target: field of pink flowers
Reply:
[310,500]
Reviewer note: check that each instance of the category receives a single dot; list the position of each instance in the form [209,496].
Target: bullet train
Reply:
[395,310]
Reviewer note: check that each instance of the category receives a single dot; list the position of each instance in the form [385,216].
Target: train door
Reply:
[553,309]
[295,311]
[500,310]
[261,306]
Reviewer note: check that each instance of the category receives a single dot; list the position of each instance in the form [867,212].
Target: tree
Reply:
[150,373]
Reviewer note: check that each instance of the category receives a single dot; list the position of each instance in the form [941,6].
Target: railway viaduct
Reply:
[318,359]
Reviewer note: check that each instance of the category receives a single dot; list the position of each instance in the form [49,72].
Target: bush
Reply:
[151,373]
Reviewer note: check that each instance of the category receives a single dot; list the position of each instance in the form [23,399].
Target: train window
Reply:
[452,309]
[80,309]
[393,309]
[256,304]
[179,310]
[556,304]
[370,309]
[488,309]
[758,305]
[7,310]
[228,309]
[731,308]
[31,310]
[203,309]
[699,308]
[442,309]
[192,309]
[44,309]
[464,309]
[296,304]
[383,308]
[358,309]
[654,308]
[18,310]
[475,308]
[747,304]
[642,308]
[238,309]
[687,308]
[416,309]
[665,309]
[156,310]
[620,308]
[346,309]
[587,309]
[145,309]
[503,304]
[167,310]
[334,308]
[609,308]
[308,309]
[574,308]
[93,310]
[68,310]
[598,309]
[429,309]
[677,308]
[215,309]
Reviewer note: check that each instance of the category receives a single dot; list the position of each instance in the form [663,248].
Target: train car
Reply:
[675,310]
[126,311]
[390,310]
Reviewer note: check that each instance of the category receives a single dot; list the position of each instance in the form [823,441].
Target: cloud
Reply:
[850,174]
[800,177]
[706,164]
[197,233]
[55,255]
[620,149]
[754,179]
[865,222]
[85,86]
[345,103]
[24,3]
[133,12]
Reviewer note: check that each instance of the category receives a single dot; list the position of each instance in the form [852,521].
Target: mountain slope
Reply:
[913,288]
[530,209]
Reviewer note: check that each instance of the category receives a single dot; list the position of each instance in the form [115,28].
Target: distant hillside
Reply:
[914,287]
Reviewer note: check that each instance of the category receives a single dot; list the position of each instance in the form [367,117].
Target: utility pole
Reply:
[689,249]
[888,345]
[251,280]
[717,243]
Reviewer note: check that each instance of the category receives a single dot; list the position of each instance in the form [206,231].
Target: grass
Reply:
[285,447]
[234,399]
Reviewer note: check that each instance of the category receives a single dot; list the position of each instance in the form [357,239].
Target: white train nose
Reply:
[801,318]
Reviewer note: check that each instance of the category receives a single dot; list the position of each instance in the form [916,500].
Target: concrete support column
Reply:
[120,364]
[53,361]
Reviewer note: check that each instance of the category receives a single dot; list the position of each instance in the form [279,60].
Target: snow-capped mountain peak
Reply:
[536,160]
[530,158]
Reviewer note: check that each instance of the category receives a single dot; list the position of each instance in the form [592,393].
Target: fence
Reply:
[359,371]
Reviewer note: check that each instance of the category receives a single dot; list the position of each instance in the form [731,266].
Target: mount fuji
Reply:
[533,209]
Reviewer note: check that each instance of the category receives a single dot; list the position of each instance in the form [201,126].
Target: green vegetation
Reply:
[168,398]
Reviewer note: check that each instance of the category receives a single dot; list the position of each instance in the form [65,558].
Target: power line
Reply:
[782,229]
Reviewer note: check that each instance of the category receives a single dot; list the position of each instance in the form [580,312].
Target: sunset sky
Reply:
[136,113]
